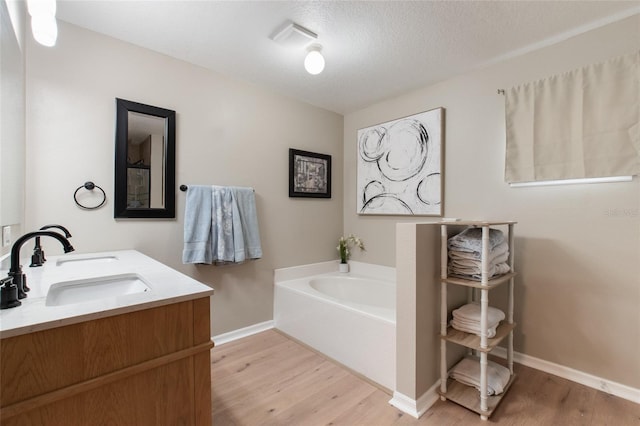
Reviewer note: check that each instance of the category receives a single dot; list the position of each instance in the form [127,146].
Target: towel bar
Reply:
[184,188]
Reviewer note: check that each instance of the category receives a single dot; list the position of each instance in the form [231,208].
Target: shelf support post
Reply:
[484,307]
[443,310]
[483,381]
[510,295]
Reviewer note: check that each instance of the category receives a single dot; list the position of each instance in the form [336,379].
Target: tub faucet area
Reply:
[14,287]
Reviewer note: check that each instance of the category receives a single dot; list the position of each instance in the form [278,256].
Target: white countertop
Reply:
[167,286]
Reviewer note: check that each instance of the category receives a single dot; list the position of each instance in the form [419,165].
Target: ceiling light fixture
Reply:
[294,36]
[314,62]
[43,21]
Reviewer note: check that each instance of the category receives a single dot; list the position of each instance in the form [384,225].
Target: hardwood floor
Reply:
[268,379]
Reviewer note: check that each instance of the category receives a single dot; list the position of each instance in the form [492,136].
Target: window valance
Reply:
[583,123]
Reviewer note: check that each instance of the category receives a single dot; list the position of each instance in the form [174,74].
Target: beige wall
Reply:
[12,118]
[578,292]
[417,301]
[577,296]
[228,133]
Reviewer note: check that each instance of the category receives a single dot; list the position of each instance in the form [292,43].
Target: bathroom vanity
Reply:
[107,338]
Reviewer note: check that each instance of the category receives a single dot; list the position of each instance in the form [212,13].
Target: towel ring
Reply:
[89,186]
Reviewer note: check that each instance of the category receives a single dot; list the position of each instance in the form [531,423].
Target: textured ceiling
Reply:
[373,50]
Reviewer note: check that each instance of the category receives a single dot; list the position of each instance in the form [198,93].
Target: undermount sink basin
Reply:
[87,290]
[86,260]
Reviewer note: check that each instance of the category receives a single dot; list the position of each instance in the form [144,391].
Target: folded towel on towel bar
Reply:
[197,225]
[221,225]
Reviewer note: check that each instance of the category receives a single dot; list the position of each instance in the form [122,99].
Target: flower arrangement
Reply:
[344,245]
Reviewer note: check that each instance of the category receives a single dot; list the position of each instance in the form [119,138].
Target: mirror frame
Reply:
[123,107]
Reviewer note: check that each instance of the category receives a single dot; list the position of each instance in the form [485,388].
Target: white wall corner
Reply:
[586,379]
[416,408]
[223,338]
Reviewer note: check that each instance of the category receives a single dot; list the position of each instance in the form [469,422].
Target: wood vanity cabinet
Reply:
[147,367]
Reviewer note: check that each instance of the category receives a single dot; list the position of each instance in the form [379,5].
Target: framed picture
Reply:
[309,174]
[400,166]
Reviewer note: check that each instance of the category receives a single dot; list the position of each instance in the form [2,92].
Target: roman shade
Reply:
[581,124]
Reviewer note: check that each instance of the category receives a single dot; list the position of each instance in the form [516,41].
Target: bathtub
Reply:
[348,317]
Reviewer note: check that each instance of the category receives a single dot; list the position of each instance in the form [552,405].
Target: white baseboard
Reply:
[223,338]
[415,408]
[608,386]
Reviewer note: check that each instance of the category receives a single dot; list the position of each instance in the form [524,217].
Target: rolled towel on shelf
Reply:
[467,372]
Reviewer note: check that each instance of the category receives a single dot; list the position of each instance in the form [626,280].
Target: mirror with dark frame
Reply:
[145,161]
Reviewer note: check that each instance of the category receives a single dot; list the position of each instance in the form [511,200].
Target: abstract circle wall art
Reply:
[400,166]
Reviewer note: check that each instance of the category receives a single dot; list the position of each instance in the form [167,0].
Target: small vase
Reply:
[343,267]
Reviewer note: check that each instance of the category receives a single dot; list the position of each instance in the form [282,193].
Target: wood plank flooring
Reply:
[268,379]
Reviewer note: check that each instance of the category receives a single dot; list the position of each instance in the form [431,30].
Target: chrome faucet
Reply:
[14,287]
[37,259]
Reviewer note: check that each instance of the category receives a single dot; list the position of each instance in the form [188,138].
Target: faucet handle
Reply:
[20,281]
[37,258]
[8,294]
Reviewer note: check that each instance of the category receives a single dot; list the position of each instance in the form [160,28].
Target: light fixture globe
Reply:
[41,7]
[314,62]
[44,29]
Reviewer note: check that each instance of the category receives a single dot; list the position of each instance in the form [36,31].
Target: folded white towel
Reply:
[473,329]
[471,312]
[470,258]
[468,264]
[498,250]
[473,323]
[471,240]
[467,372]
[476,271]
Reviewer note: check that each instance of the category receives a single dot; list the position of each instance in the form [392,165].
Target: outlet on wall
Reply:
[6,236]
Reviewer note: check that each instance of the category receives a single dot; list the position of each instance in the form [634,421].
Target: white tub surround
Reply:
[349,317]
[165,286]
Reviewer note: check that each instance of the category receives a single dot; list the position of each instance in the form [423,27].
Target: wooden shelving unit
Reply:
[467,396]
[472,341]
